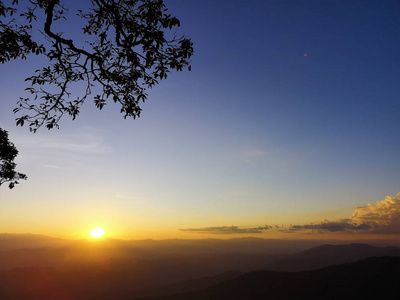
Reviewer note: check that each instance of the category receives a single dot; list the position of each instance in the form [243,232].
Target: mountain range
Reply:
[117,269]
[371,278]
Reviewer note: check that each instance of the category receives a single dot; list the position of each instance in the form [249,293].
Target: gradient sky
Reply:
[290,115]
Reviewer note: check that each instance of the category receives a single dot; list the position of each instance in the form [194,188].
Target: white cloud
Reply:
[85,142]
[381,217]
[51,166]
[91,147]
[250,155]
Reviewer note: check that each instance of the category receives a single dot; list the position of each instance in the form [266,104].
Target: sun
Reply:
[97,232]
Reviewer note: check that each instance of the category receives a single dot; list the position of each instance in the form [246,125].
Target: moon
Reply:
[97,232]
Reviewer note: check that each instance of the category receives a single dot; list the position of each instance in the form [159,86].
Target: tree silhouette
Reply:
[8,152]
[125,47]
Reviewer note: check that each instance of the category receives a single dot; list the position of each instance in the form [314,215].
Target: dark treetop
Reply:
[8,152]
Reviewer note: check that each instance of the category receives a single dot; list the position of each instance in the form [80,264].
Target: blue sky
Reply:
[289,115]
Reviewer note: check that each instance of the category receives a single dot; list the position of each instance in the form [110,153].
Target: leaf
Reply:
[20,121]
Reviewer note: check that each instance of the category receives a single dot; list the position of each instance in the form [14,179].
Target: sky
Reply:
[286,127]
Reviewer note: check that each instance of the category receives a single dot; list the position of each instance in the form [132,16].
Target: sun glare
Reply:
[97,232]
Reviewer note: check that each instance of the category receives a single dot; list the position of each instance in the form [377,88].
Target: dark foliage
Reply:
[129,46]
[8,152]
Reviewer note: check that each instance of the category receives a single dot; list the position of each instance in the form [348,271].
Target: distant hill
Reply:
[190,285]
[115,269]
[311,259]
[177,247]
[205,256]
[9,241]
[325,255]
[372,278]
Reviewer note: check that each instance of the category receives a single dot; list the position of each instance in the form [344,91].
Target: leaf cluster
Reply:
[127,52]
[15,39]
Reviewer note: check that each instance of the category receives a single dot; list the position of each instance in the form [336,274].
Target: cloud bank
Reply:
[383,217]
[330,226]
[227,229]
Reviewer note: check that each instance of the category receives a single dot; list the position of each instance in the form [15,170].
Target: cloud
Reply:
[330,226]
[51,166]
[255,153]
[83,147]
[87,141]
[381,217]
[227,229]
[249,156]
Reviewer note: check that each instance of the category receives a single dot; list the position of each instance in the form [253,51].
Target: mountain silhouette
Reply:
[325,255]
[116,269]
[372,278]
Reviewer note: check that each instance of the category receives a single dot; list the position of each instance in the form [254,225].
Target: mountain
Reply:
[10,241]
[173,247]
[190,285]
[372,278]
[325,255]
[206,256]
[115,269]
